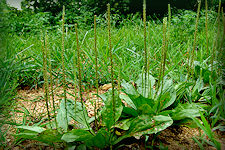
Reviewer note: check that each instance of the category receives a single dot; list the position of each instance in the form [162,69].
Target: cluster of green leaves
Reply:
[146,113]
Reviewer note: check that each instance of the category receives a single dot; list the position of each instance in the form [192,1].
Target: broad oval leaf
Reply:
[109,114]
[145,124]
[61,116]
[49,136]
[32,128]
[76,135]
[187,110]
[127,99]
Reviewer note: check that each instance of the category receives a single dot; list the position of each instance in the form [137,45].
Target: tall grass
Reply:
[127,46]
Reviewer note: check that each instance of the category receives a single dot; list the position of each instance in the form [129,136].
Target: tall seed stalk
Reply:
[195,38]
[169,18]
[168,26]
[75,82]
[111,64]
[216,40]
[223,18]
[46,97]
[79,75]
[51,79]
[111,59]
[206,28]
[164,48]
[96,70]
[63,65]
[145,45]
[222,42]
[161,61]
[221,53]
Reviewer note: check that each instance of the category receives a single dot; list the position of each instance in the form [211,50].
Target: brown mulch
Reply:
[32,101]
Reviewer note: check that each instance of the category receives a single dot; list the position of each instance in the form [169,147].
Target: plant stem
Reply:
[75,83]
[164,48]
[145,44]
[215,41]
[195,37]
[206,28]
[111,67]
[168,27]
[111,60]
[63,65]
[79,75]
[96,70]
[221,53]
[44,55]
[51,79]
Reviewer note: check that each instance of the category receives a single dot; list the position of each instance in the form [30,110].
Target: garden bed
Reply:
[174,137]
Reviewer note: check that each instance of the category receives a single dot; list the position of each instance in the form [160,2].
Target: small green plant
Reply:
[151,113]
[209,133]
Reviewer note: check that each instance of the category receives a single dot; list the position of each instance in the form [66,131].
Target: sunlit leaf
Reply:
[76,135]
[109,114]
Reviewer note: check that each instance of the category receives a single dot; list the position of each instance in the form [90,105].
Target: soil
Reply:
[31,108]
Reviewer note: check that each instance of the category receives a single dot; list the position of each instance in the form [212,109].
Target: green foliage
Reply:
[77,135]
[13,20]
[147,116]
[208,131]
[109,116]
[48,136]
[8,83]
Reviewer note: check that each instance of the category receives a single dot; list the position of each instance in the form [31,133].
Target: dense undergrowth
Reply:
[170,81]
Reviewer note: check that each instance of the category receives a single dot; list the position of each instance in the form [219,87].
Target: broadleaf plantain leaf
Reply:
[76,135]
[109,117]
